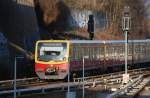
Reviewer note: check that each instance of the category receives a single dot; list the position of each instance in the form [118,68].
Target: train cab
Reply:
[51,59]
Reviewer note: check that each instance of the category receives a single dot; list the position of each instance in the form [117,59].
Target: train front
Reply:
[51,59]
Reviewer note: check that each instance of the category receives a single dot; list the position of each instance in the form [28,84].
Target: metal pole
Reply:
[68,75]
[15,75]
[83,79]
[15,78]
[126,52]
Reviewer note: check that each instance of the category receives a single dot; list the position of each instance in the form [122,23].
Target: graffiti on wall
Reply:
[79,19]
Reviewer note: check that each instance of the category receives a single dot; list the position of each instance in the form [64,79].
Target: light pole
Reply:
[126,23]
[83,78]
[70,94]
[68,75]
[15,71]
[83,71]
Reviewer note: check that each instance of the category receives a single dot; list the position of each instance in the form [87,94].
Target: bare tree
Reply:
[111,8]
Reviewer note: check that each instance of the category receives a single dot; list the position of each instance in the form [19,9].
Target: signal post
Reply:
[126,23]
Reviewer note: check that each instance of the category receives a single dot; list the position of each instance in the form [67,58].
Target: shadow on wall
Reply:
[61,20]
[15,22]
[55,28]
[57,21]
[18,24]
[55,18]
[5,13]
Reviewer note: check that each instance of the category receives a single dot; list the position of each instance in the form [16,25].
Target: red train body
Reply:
[101,55]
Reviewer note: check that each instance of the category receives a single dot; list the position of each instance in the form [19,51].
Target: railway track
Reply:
[33,84]
[28,82]
[114,77]
[23,83]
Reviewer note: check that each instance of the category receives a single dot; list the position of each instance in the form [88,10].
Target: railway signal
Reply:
[91,27]
[126,23]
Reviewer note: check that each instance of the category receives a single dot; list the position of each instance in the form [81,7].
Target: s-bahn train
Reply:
[52,57]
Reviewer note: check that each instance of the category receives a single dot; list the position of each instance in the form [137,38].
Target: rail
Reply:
[42,88]
[125,88]
[19,80]
[109,78]
[136,88]
[116,75]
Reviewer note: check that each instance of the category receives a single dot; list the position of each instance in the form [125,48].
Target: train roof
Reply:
[96,41]
[108,41]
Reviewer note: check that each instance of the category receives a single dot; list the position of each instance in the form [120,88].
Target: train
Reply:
[53,58]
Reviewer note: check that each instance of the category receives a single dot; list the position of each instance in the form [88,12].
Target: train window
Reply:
[90,53]
[74,50]
[116,51]
[94,51]
[51,51]
[97,53]
[78,52]
[148,48]
[121,51]
[75,53]
[86,52]
[83,53]
[130,50]
[142,49]
[137,49]
[72,53]
[109,52]
[106,51]
[101,53]
[93,54]
[112,51]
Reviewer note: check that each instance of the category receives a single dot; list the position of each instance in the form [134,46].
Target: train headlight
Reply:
[51,65]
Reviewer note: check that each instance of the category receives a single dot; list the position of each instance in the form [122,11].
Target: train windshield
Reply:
[52,51]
